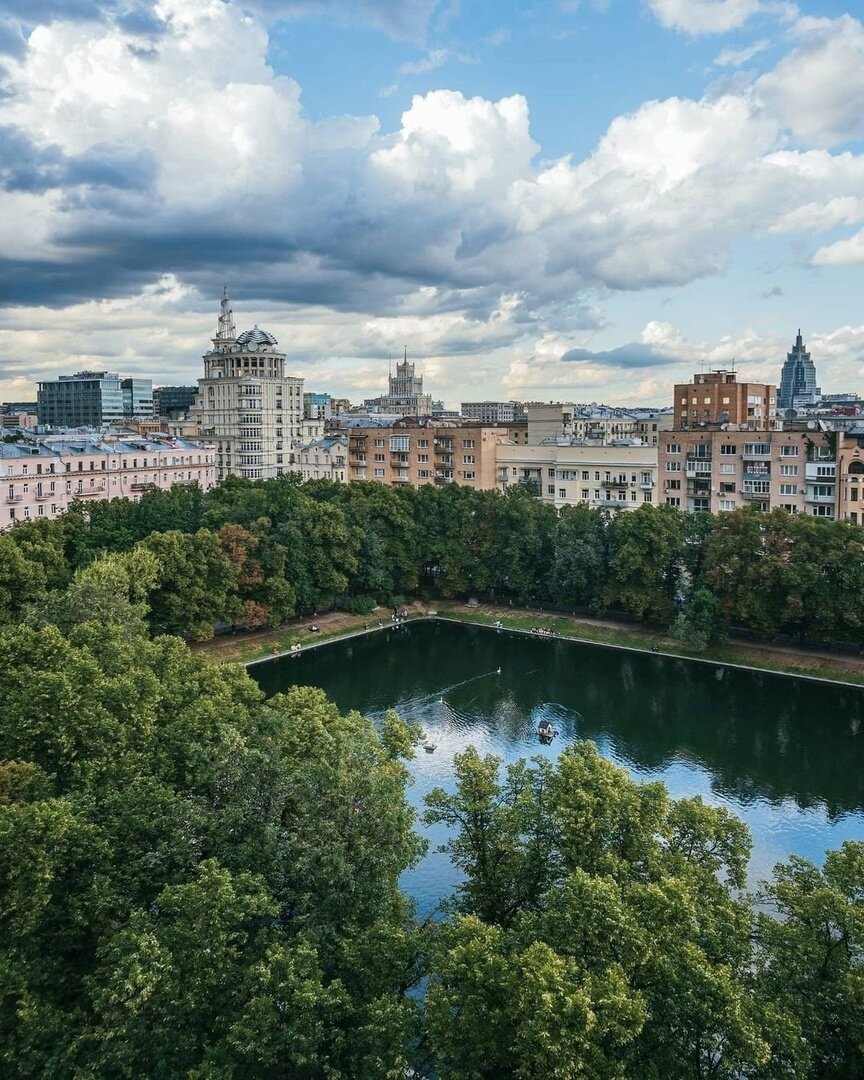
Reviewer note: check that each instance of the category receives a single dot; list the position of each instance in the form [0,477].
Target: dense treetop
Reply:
[197,882]
[254,553]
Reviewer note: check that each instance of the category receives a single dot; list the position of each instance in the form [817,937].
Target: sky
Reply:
[579,200]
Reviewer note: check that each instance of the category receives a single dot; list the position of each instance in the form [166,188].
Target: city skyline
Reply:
[580,202]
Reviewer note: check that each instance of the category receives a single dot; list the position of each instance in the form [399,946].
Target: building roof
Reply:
[255,338]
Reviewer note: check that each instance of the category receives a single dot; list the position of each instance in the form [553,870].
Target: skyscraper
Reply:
[93,399]
[798,378]
[246,404]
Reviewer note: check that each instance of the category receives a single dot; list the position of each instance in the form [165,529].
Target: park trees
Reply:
[646,552]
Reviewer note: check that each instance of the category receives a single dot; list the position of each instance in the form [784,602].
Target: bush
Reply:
[359,605]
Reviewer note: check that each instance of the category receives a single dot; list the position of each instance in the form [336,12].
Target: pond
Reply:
[784,754]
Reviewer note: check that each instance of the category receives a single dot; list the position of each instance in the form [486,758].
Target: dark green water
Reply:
[786,755]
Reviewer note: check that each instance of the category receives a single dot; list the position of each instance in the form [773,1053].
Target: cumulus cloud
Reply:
[131,155]
[848,252]
[704,16]
[818,89]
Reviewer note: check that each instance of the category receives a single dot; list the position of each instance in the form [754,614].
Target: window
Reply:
[550,489]
[757,449]
[673,466]
[727,449]
[468,444]
[379,472]
[596,475]
[788,451]
[727,467]
[788,489]
[818,511]
[596,494]
[562,493]
[673,501]
[727,504]
[470,459]
[469,475]
[423,443]
[853,494]
[823,491]
[825,470]
[422,457]
[788,470]
[399,443]
[585,475]
[585,494]
[673,447]
[632,496]
[726,489]
[379,442]
[673,485]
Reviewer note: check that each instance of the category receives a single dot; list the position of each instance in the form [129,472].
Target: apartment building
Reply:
[246,404]
[728,450]
[42,477]
[850,476]
[619,477]
[593,423]
[325,459]
[422,451]
[493,412]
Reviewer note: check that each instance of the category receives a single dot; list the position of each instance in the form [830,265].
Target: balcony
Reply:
[762,496]
[819,500]
[691,456]
[698,468]
[614,483]
[13,498]
[647,485]
[89,491]
[143,486]
[756,474]
[760,451]
[614,504]
[811,472]
[444,446]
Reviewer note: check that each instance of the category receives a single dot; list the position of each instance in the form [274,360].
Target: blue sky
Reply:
[528,196]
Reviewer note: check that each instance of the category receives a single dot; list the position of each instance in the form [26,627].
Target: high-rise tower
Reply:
[798,378]
[246,403]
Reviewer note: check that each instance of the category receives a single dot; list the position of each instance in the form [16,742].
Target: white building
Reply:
[325,459]
[246,404]
[614,477]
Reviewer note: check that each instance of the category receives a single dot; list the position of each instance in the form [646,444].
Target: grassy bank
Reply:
[249,648]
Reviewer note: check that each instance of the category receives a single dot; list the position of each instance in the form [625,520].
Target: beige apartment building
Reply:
[325,459]
[850,477]
[612,477]
[420,451]
[728,450]
[246,404]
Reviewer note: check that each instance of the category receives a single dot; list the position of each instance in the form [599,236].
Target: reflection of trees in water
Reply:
[759,736]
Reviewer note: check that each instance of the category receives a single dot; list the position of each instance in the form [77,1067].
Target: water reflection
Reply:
[785,754]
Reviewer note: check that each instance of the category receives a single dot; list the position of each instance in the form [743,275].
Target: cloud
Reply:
[434,59]
[817,90]
[848,252]
[770,294]
[737,57]
[633,355]
[131,156]
[403,20]
[704,16]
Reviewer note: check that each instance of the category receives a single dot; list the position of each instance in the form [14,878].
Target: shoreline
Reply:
[336,626]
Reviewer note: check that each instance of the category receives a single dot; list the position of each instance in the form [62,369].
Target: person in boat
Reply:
[545,730]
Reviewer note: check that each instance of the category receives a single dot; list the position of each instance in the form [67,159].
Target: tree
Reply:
[579,570]
[196,586]
[646,551]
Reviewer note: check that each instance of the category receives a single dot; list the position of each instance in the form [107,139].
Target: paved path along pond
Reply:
[785,754]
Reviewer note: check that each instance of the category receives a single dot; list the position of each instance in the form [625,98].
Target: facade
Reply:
[317,406]
[42,477]
[10,421]
[246,404]
[611,477]
[410,451]
[86,399]
[717,399]
[493,412]
[850,476]
[405,395]
[798,378]
[173,401]
[325,459]
[137,399]
[727,450]
[596,424]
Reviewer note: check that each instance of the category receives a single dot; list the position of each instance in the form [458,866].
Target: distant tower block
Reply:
[798,378]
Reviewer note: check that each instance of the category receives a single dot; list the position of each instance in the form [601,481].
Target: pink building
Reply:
[42,477]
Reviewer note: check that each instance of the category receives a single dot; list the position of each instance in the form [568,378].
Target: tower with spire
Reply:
[246,404]
[798,378]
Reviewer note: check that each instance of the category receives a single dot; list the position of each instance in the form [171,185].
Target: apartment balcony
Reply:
[41,495]
[811,472]
[647,485]
[762,496]
[441,480]
[89,491]
[442,447]
[759,455]
[613,483]
[143,486]
[615,504]
[820,500]
[698,468]
[756,474]
[690,456]
[13,498]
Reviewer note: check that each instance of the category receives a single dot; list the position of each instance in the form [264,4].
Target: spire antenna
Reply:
[225,329]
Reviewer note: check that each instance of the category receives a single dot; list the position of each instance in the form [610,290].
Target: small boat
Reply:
[545,731]
[430,747]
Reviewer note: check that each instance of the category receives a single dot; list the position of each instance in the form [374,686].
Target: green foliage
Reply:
[359,605]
